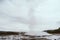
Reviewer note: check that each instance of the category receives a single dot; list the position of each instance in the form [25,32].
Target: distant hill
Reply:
[56,31]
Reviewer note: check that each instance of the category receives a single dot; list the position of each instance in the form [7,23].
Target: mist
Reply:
[29,15]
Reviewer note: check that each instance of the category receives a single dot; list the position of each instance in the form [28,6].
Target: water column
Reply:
[32,21]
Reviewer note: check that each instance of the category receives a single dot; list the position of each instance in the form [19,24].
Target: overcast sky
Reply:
[23,15]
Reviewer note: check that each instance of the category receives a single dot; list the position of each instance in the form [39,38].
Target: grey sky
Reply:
[14,14]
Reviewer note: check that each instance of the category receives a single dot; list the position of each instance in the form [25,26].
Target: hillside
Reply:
[56,31]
